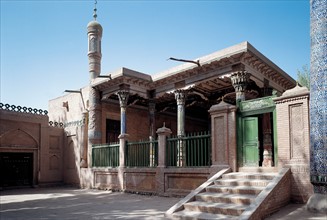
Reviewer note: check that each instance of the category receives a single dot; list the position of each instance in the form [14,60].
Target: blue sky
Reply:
[44,43]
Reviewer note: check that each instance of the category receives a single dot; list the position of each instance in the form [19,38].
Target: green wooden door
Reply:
[250,142]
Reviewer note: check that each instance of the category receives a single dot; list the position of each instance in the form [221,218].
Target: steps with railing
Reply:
[239,195]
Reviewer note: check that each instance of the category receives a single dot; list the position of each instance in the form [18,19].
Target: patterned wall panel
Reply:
[318,95]
[296,131]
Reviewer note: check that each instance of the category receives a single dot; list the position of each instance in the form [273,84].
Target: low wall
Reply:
[159,181]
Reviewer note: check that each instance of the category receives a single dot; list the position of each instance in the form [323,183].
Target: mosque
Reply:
[229,130]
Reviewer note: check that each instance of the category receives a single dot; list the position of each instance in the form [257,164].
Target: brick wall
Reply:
[159,181]
[292,110]
[30,133]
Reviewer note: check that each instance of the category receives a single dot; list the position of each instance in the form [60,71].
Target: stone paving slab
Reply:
[72,203]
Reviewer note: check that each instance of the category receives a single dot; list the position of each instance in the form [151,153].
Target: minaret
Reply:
[94,33]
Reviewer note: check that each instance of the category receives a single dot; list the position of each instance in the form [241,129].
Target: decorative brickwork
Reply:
[24,109]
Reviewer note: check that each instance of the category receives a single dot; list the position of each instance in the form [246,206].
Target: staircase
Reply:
[226,198]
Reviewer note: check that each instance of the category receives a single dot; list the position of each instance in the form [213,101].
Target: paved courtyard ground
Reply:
[71,203]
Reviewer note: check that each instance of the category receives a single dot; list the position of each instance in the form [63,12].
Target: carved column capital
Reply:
[240,80]
[123,97]
[180,96]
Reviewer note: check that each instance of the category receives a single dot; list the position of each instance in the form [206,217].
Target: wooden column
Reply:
[180,96]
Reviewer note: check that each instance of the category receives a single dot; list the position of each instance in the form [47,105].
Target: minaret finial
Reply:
[95,10]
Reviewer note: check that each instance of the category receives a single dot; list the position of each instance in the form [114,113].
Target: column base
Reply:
[267,159]
[123,136]
[317,203]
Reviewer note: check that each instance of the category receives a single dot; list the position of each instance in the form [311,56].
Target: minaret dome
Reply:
[94,33]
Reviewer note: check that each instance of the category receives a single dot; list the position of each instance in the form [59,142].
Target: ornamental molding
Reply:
[256,104]
[269,72]
[279,100]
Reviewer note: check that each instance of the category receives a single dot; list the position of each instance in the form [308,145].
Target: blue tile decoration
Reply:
[318,95]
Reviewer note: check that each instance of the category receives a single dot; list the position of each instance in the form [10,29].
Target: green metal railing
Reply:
[105,155]
[142,154]
[196,149]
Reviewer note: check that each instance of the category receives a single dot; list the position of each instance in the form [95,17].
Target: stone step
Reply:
[241,182]
[192,215]
[245,175]
[215,208]
[253,190]
[242,199]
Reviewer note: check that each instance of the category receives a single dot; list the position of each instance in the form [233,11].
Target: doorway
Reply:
[112,131]
[256,133]
[16,169]
[250,141]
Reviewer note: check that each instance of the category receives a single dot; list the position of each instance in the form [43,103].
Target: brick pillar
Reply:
[318,105]
[223,136]
[163,133]
[292,110]
[162,136]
